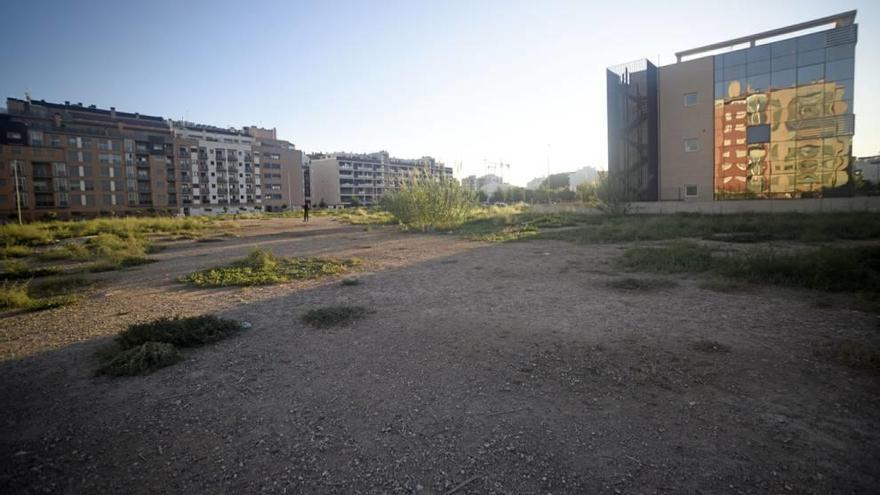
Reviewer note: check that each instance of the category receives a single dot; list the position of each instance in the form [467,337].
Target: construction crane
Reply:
[498,166]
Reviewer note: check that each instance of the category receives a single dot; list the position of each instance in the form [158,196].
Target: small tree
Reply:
[610,196]
[424,202]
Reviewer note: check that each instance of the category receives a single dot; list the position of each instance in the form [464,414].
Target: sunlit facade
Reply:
[784,117]
[769,117]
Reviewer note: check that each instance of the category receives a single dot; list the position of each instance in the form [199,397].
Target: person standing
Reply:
[306,207]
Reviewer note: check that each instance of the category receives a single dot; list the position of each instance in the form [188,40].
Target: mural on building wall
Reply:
[784,119]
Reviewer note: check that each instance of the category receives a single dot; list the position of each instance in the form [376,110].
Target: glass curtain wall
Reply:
[784,118]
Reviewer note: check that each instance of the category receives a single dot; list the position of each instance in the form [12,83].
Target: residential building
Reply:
[470,183]
[281,170]
[769,118]
[220,172]
[347,179]
[581,176]
[867,169]
[535,184]
[72,160]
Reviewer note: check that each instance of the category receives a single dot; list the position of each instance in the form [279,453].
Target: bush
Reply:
[261,267]
[141,359]
[424,202]
[334,315]
[180,332]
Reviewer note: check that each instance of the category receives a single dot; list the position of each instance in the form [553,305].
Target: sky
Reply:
[471,83]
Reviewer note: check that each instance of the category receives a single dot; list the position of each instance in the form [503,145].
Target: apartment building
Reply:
[346,179]
[281,170]
[69,160]
[764,116]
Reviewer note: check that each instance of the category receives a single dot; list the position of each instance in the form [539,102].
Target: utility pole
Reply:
[17,192]
[548,173]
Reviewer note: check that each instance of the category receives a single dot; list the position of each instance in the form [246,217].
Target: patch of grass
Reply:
[859,355]
[359,216]
[15,252]
[350,281]
[20,295]
[726,285]
[141,359]
[679,257]
[641,284]
[334,315]
[113,247]
[180,332]
[29,234]
[747,227]
[210,239]
[112,265]
[56,286]
[69,251]
[832,269]
[261,267]
[710,346]
[19,270]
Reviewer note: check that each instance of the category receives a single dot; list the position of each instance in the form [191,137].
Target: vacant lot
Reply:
[459,367]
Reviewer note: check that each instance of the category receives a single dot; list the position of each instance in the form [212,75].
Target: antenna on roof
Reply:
[27,95]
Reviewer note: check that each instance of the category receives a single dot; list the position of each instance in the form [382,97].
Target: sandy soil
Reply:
[507,368]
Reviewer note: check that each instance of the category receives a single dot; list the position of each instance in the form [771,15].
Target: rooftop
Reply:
[839,20]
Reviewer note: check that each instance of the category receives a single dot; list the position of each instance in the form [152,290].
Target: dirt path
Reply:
[485,368]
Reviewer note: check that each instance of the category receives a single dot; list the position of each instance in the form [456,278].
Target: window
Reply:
[13,135]
[690,99]
[691,145]
[36,138]
[690,190]
[758,134]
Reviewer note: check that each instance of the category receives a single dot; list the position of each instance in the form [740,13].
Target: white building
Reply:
[586,174]
[219,170]
[345,179]
[535,184]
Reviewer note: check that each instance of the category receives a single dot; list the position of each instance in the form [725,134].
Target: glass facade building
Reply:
[764,116]
[783,117]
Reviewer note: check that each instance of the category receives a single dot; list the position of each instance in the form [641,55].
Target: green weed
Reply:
[261,267]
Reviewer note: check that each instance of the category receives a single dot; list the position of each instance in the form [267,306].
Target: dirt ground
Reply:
[505,368]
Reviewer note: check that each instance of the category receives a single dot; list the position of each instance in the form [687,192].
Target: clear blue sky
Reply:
[458,80]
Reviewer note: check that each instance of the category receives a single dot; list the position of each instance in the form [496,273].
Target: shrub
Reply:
[424,202]
[180,332]
[334,315]
[141,359]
